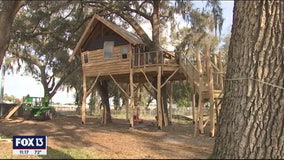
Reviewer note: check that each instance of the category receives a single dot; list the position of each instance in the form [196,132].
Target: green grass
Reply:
[61,153]
[212,156]
[3,136]
[119,115]
[69,153]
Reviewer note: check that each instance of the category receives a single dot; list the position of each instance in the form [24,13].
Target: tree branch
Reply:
[139,30]
[62,80]
[137,11]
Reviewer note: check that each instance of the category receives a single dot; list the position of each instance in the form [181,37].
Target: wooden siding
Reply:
[97,64]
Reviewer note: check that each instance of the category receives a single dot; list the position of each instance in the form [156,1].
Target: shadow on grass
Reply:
[68,153]
[55,154]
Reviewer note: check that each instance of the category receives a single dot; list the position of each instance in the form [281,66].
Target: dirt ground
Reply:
[115,140]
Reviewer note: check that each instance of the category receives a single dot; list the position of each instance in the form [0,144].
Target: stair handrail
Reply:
[191,71]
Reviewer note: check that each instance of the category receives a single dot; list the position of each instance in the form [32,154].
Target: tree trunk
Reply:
[251,123]
[164,101]
[156,46]
[8,13]
[160,114]
[103,90]
[156,30]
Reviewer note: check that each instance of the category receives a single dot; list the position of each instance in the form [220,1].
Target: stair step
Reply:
[217,94]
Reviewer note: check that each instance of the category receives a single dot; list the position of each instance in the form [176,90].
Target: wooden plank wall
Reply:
[97,64]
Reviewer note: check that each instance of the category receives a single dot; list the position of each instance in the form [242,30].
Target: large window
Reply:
[108,49]
[124,51]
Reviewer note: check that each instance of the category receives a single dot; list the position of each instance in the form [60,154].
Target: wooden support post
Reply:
[193,109]
[217,103]
[220,66]
[211,91]
[216,75]
[195,114]
[89,91]
[159,101]
[200,90]
[127,104]
[151,92]
[171,102]
[148,80]
[83,108]
[200,116]
[169,78]
[131,98]
[215,60]
[119,87]
[165,116]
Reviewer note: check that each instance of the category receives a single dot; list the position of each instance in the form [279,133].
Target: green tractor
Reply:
[37,108]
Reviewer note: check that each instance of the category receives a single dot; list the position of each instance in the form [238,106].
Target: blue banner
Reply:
[29,142]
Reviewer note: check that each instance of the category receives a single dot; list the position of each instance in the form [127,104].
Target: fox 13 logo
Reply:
[29,145]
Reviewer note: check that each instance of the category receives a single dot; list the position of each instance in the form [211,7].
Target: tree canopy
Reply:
[45,32]
[43,35]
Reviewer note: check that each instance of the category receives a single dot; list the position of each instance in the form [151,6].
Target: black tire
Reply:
[53,111]
[27,114]
[50,114]
[42,117]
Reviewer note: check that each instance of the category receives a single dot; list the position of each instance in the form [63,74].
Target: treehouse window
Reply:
[124,51]
[108,49]
[86,58]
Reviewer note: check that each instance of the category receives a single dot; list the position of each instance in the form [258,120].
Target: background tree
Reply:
[251,118]
[182,93]
[8,12]
[11,98]
[43,34]
[224,49]
[200,34]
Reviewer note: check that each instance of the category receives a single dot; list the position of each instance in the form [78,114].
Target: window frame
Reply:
[122,49]
[108,52]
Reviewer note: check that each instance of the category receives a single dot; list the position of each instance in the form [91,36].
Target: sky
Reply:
[20,85]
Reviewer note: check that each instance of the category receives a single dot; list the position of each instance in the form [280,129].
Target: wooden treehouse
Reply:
[111,53]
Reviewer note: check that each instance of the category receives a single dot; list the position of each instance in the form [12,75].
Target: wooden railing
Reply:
[153,58]
[189,68]
[189,65]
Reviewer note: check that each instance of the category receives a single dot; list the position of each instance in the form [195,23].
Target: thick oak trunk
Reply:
[103,90]
[165,98]
[164,114]
[251,123]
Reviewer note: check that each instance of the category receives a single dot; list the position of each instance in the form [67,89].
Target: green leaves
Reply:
[182,93]
[43,34]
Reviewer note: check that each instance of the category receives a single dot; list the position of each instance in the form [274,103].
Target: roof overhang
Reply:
[132,39]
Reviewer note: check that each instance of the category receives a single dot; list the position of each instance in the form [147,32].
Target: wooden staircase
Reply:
[208,85]
[200,81]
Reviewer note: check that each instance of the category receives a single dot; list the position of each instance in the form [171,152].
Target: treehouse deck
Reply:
[145,70]
[140,73]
